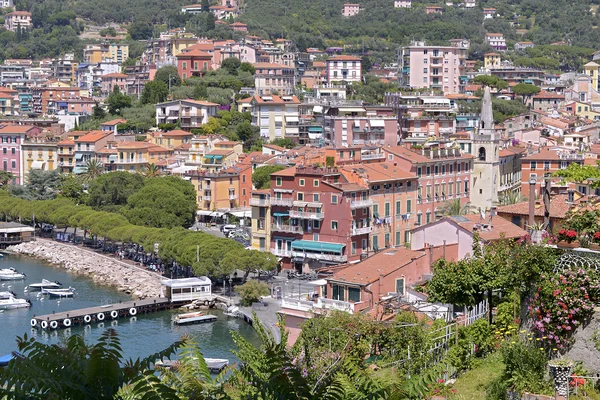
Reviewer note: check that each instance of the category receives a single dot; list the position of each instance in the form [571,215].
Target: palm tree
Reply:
[508,198]
[151,171]
[454,207]
[94,168]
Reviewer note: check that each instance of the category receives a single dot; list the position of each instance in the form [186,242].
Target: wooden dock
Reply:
[101,313]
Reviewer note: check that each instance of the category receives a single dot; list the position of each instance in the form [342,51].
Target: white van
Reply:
[228,228]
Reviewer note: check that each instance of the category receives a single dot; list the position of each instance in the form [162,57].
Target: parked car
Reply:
[228,228]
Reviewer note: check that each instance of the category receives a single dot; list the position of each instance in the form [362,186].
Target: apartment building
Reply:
[16,20]
[106,52]
[131,156]
[49,100]
[276,116]
[109,81]
[189,113]
[277,79]
[39,153]
[171,139]
[534,167]
[350,10]
[496,41]
[343,69]
[514,75]
[86,147]
[352,126]
[223,190]
[432,67]
[65,152]
[11,141]
[443,174]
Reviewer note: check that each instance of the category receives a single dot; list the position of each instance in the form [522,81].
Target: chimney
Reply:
[532,182]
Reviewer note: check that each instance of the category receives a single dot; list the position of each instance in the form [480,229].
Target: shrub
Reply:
[252,291]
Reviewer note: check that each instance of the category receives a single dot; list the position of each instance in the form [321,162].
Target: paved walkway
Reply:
[267,315]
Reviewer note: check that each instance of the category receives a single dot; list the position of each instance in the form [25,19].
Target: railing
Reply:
[306,215]
[287,228]
[233,197]
[354,204]
[11,239]
[372,156]
[281,202]
[206,198]
[259,202]
[281,252]
[319,256]
[570,156]
[360,231]
[323,304]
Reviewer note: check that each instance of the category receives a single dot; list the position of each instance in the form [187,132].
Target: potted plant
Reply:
[567,238]
[536,230]
[595,244]
[561,370]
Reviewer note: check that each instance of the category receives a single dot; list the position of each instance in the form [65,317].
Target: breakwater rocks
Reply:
[102,269]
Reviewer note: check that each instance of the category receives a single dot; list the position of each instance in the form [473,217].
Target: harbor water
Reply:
[140,336]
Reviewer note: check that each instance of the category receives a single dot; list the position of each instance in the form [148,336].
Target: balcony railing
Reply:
[287,228]
[354,204]
[281,202]
[323,304]
[206,198]
[259,202]
[320,256]
[281,252]
[372,156]
[233,197]
[360,231]
[306,214]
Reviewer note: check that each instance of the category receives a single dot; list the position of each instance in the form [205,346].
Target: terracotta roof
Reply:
[93,136]
[379,172]
[543,154]
[133,145]
[246,100]
[177,132]
[20,13]
[261,191]
[274,147]
[344,58]
[238,24]
[200,102]
[285,172]
[417,157]
[319,64]
[114,75]
[16,128]
[544,94]
[271,65]
[220,152]
[511,151]
[106,150]
[276,100]
[491,54]
[500,228]
[114,122]
[558,207]
[194,53]
[381,264]
[67,142]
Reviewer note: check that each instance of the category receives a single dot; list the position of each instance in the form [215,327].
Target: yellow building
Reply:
[216,191]
[583,110]
[171,139]
[492,60]
[261,219]
[591,70]
[181,43]
[106,52]
[40,154]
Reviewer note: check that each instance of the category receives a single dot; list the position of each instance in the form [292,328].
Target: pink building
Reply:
[350,10]
[344,68]
[11,139]
[110,80]
[433,10]
[432,67]
[351,130]
[238,26]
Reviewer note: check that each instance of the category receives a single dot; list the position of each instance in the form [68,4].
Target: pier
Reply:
[101,313]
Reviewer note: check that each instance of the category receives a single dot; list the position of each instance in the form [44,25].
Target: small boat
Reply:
[232,311]
[193,318]
[8,300]
[215,365]
[59,292]
[45,284]
[11,274]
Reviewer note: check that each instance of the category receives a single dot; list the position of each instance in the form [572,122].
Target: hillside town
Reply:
[438,215]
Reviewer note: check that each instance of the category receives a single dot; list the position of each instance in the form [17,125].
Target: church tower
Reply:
[486,164]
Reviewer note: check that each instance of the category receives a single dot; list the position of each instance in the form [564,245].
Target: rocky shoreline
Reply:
[102,269]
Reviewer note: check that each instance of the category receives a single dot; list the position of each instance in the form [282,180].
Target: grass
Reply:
[472,384]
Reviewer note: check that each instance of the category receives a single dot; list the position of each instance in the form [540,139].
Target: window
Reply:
[424,70]
[354,294]
[12,151]
[400,286]
[300,196]
[406,236]
[451,168]
[532,165]
[316,237]
[546,165]
[184,65]
[398,238]
[482,154]
[278,181]
[436,170]
[353,248]
[427,217]
[419,172]
[4,150]
[387,209]
[334,225]
[316,224]
[408,206]
[334,199]
[458,167]
[428,171]
[386,239]
[466,186]
[444,169]
[419,219]
[364,245]
[398,207]
[375,210]
[301,182]
[338,292]
[316,183]
[375,242]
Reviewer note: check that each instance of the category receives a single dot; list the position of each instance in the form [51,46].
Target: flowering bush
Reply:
[596,237]
[561,303]
[567,235]
[440,389]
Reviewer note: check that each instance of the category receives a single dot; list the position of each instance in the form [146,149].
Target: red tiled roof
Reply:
[177,132]
[114,75]
[344,58]
[558,208]
[93,136]
[114,122]
[500,228]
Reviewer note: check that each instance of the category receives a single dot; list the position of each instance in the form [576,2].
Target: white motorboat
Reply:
[11,274]
[8,300]
[45,284]
[232,311]
[59,292]
[215,365]
[194,318]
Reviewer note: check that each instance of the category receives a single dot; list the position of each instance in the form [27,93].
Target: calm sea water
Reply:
[140,336]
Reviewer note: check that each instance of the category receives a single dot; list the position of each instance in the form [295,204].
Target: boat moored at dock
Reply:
[8,301]
[194,318]
[45,284]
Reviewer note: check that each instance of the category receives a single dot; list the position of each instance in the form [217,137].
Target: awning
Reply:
[217,157]
[314,204]
[209,156]
[318,109]
[281,214]
[317,246]
[37,165]
[291,119]
[318,282]
[351,109]
[377,123]
[315,135]
[278,118]
[79,156]
[79,170]
[211,213]
[300,203]
[241,213]
[113,158]
[315,129]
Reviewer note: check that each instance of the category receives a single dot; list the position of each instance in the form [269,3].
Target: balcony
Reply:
[319,304]
[281,252]
[571,156]
[354,204]
[372,156]
[360,231]
[320,256]
[206,198]
[259,202]
[281,202]
[287,228]
[233,196]
[306,214]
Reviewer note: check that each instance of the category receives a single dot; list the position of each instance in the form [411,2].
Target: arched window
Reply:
[482,154]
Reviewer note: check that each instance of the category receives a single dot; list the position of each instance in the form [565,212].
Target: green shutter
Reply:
[408,206]
[398,238]
[398,206]
[387,209]
[354,294]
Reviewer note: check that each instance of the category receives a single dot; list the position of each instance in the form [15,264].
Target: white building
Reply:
[469,3]
[274,78]
[344,69]
[189,113]
[277,117]
[403,3]
[496,41]
[17,20]
[187,289]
